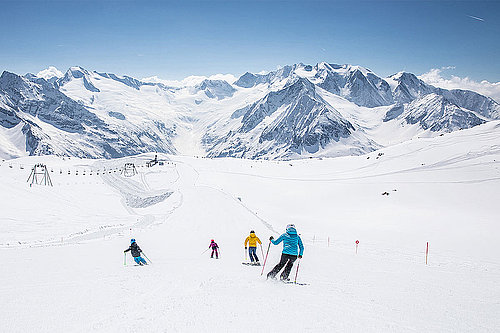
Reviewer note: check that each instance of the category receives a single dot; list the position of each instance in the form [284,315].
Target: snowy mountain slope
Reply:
[127,80]
[59,122]
[249,80]
[290,120]
[355,83]
[215,89]
[65,251]
[50,74]
[342,110]
[13,141]
[435,113]
[433,110]
[45,102]
[472,101]
[409,88]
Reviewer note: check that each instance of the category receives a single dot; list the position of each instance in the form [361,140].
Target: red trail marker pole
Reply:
[269,246]
[426,253]
[357,243]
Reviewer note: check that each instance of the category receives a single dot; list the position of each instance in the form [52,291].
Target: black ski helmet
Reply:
[252,232]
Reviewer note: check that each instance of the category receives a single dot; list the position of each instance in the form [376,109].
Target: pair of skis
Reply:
[246,258]
[125,258]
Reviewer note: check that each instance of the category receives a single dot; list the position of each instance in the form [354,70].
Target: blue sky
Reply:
[174,39]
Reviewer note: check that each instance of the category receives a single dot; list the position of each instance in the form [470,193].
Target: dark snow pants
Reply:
[252,251]
[214,249]
[286,259]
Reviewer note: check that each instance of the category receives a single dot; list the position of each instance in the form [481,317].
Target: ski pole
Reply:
[205,251]
[261,250]
[268,247]
[147,257]
[245,249]
[297,272]
[124,259]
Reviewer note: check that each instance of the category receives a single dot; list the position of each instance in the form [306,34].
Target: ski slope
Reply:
[63,266]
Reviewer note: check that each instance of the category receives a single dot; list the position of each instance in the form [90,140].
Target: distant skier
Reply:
[291,241]
[136,252]
[215,249]
[252,241]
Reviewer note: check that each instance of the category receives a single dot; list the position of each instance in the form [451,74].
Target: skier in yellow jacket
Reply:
[252,241]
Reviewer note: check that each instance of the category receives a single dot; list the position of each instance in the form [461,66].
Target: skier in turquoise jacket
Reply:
[292,249]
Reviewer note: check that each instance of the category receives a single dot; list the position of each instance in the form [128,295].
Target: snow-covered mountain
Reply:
[54,121]
[295,111]
[292,119]
[364,113]
[218,89]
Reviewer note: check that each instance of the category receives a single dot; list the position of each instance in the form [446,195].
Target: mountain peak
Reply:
[50,73]
[403,76]
[7,74]
[11,80]
[219,89]
[77,72]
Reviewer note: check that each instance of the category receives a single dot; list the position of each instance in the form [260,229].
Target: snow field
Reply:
[447,193]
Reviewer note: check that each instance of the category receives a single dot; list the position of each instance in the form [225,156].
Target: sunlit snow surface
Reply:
[62,246]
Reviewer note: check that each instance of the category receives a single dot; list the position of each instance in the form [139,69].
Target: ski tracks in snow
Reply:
[139,195]
[195,183]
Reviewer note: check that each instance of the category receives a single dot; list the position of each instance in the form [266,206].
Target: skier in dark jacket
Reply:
[136,252]
[292,249]
[213,245]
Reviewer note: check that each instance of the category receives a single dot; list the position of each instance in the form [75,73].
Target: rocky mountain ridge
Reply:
[296,111]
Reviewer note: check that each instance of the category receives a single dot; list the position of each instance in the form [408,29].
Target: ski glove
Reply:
[300,257]
[271,238]
[245,247]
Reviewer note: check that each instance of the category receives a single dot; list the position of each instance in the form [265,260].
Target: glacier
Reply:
[296,111]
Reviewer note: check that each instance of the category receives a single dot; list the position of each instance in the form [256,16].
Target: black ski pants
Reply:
[286,259]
